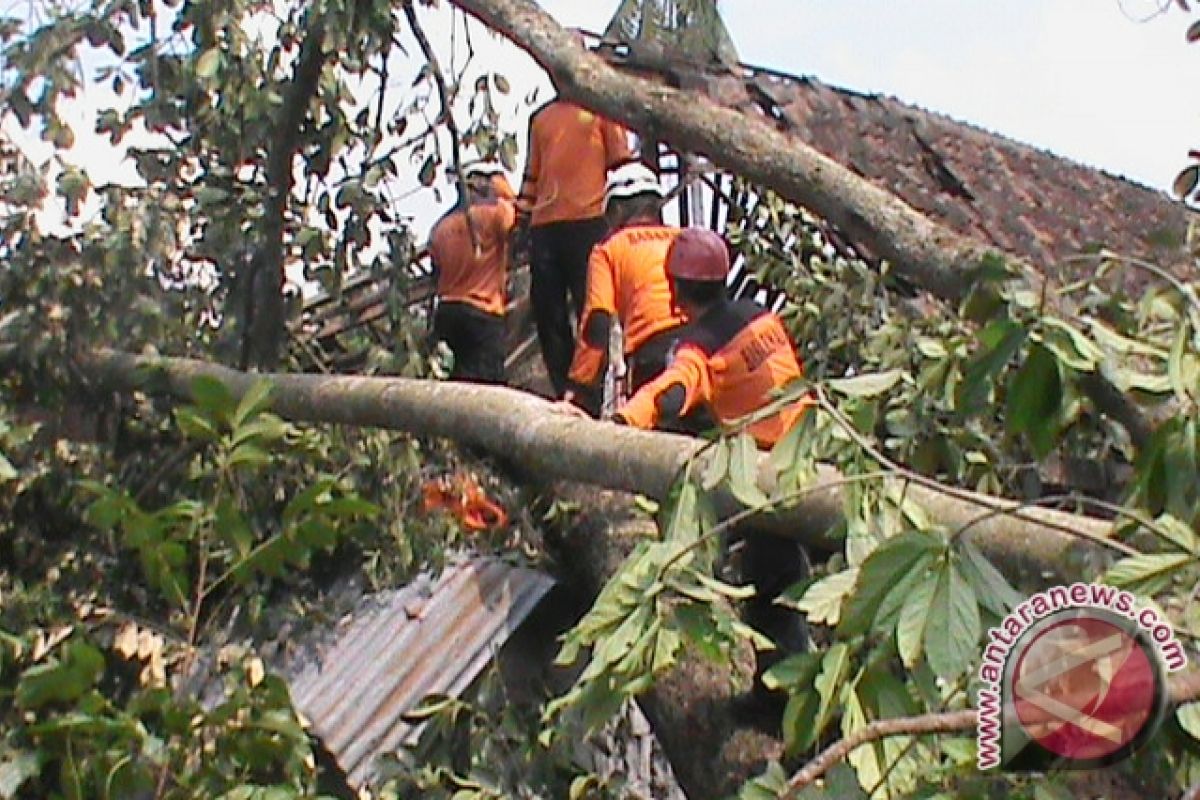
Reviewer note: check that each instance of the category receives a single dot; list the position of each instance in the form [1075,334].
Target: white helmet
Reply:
[629,180]
[482,169]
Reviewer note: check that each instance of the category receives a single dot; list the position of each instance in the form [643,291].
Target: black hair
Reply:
[700,293]
[640,206]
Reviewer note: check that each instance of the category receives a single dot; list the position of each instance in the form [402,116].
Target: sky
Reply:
[1082,78]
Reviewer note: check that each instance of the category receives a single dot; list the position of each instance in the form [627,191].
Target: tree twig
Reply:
[439,80]
[1010,508]
[945,722]
[1182,688]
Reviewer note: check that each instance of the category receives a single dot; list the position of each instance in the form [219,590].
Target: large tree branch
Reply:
[932,256]
[522,428]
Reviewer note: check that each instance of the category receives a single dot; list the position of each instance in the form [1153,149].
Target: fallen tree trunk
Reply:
[522,428]
[689,706]
[937,259]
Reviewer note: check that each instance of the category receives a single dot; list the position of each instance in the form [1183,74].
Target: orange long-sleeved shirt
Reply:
[626,279]
[730,360]
[570,152]
[466,276]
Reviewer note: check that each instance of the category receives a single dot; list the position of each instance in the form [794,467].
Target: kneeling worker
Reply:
[731,358]
[627,283]
[472,280]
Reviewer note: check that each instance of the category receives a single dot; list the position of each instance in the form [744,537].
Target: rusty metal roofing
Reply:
[432,637]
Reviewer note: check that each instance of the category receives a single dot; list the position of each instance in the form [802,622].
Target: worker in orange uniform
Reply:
[570,151]
[627,283]
[472,277]
[732,358]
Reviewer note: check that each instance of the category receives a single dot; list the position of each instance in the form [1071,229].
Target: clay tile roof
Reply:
[1021,199]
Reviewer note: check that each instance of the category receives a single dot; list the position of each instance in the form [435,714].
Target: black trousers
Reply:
[558,285]
[476,338]
[771,564]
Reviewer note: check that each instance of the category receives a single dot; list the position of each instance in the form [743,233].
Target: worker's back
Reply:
[570,151]
[466,275]
[750,357]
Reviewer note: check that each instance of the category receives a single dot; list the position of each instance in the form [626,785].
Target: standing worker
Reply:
[732,358]
[570,151]
[627,283]
[472,274]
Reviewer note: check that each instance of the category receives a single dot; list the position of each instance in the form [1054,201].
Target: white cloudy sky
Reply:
[1083,78]
[1104,82]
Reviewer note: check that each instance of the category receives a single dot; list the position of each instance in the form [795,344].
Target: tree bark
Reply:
[937,259]
[523,429]
[264,330]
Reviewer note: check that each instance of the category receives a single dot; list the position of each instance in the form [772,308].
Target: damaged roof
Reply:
[429,638]
[1020,199]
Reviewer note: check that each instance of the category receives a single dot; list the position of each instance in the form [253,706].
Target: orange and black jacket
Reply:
[731,361]
[626,280]
[570,152]
[465,275]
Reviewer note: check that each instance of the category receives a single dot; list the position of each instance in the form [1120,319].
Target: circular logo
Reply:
[1087,686]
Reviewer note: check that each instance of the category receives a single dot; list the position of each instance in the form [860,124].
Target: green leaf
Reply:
[208,63]
[232,527]
[17,767]
[953,628]
[195,425]
[1186,181]
[60,681]
[717,467]
[248,455]
[428,171]
[213,397]
[879,574]
[1148,573]
[914,617]
[795,671]
[1070,345]
[993,589]
[1001,340]
[1188,716]
[769,786]
[1034,402]
[743,471]
[835,668]
[698,626]
[871,385]
[256,400]
[822,602]
[7,471]
[1178,533]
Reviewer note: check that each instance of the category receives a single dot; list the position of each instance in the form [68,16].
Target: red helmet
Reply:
[698,254]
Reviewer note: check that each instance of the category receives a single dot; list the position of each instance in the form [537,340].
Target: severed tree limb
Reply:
[930,255]
[1184,688]
[522,428]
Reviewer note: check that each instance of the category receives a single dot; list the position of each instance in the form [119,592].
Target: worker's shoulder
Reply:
[631,236]
[720,326]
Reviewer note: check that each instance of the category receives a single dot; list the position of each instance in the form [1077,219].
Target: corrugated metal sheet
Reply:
[428,638]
